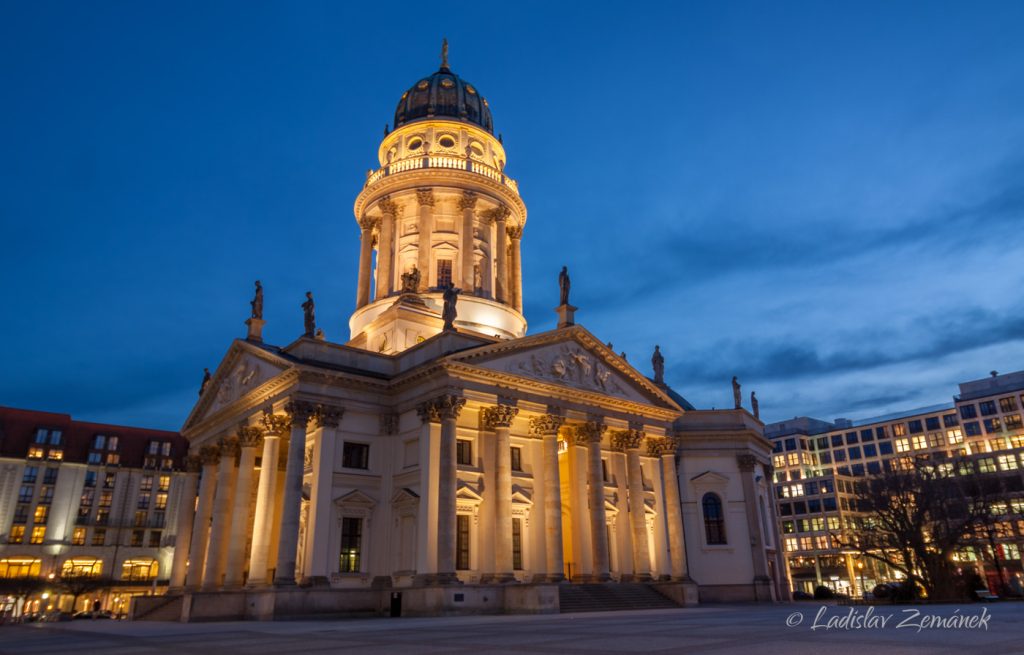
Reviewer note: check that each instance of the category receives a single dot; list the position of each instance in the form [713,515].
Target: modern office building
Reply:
[817,463]
[79,498]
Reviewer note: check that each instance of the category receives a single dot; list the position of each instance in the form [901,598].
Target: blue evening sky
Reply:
[823,198]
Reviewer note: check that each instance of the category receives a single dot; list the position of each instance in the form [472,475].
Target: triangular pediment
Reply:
[244,369]
[465,492]
[710,477]
[521,496]
[355,498]
[570,358]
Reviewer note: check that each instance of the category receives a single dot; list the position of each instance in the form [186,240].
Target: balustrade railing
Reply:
[441,161]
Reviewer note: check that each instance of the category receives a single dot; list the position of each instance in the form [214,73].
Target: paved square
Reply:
[707,629]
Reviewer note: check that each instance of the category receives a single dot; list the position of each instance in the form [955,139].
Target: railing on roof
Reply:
[441,161]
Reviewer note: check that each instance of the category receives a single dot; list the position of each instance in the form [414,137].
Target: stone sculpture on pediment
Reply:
[569,364]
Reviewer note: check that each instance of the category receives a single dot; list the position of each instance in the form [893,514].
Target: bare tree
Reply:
[21,588]
[919,512]
[77,585]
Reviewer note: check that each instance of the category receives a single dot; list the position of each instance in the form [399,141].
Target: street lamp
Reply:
[863,590]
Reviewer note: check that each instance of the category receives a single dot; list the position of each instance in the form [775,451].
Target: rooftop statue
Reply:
[449,312]
[736,393]
[411,281]
[257,301]
[563,286]
[754,405]
[309,314]
[658,361]
[206,381]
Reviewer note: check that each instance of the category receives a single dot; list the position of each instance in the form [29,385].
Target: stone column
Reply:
[445,409]
[389,212]
[665,448]
[249,439]
[366,226]
[426,200]
[499,419]
[210,457]
[515,233]
[546,426]
[275,426]
[216,555]
[629,441]
[747,463]
[319,563]
[589,434]
[500,214]
[429,477]
[186,517]
[288,542]
[467,203]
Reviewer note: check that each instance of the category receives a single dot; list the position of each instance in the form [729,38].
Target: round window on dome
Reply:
[447,83]
[470,90]
[414,143]
[446,142]
[422,84]
[477,149]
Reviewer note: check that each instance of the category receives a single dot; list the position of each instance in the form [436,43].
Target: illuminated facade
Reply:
[87,499]
[472,469]
[817,463]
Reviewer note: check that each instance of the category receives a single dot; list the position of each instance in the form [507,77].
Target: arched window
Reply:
[714,522]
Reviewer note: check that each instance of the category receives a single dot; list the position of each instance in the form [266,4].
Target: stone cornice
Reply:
[439,178]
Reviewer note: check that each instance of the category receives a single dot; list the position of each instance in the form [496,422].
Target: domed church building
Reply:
[442,460]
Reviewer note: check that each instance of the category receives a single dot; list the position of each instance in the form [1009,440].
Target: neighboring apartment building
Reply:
[87,498]
[817,463]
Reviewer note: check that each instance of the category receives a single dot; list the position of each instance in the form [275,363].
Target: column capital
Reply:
[661,446]
[389,207]
[627,439]
[468,200]
[425,197]
[497,214]
[545,424]
[746,462]
[498,416]
[369,222]
[588,432]
[229,447]
[275,425]
[327,416]
[209,455]
[515,232]
[249,436]
[443,407]
[193,463]
[300,411]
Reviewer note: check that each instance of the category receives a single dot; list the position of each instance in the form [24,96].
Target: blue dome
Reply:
[444,95]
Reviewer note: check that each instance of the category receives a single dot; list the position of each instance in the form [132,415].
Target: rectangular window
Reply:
[987,465]
[462,542]
[932,423]
[837,440]
[882,432]
[874,468]
[444,272]
[517,544]
[30,475]
[25,493]
[839,455]
[920,442]
[138,537]
[50,475]
[987,408]
[464,452]
[790,444]
[351,544]
[113,459]
[21,514]
[35,452]
[870,450]
[37,535]
[1008,404]
[99,442]
[161,501]
[90,478]
[16,535]
[968,411]
[867,435]
[144,499]
[95,458]
[109,481]
[78,537]
[101,516]
[851,437]
[517,458]
[147,483]
[916,427]
[1012,422]
[950,420]
[972,428]
[954,436]
[99,537]
[822,443]
[1007,462]
[355,455]
[140,517]
[112,443]
[992,425]
[899,429]
[41,514]
[154,538]
[854,452]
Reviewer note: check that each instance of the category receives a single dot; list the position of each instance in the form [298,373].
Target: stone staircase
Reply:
[609,597]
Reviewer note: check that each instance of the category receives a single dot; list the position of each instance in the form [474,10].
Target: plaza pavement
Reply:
[719,629]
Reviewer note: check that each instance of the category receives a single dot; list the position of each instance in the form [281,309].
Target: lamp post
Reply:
[860,569]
